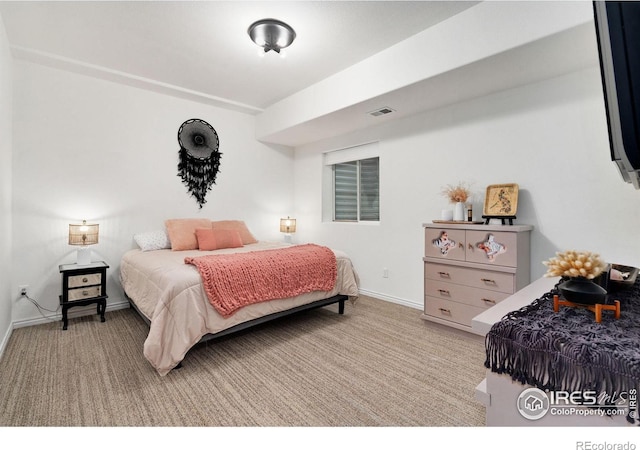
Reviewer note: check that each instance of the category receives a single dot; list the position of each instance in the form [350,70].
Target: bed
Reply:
[169,291]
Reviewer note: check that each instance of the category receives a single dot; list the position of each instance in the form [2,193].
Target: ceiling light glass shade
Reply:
[271,34]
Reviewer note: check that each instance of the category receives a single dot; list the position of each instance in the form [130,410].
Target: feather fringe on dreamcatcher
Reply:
[198,174]
[199,157]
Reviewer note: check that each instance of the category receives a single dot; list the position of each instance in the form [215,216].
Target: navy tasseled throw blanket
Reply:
[568,350]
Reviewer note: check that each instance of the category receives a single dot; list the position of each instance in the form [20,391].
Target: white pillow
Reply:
[152,240]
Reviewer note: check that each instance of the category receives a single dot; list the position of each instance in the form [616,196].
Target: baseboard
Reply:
[5,341]
[73,312]
[391,299]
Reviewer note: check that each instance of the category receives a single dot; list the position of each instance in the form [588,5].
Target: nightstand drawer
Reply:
[83,293]
[85,280]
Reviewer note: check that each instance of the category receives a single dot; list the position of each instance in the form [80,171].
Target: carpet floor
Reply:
[379,364]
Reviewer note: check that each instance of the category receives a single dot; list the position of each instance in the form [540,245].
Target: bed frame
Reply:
[340,299]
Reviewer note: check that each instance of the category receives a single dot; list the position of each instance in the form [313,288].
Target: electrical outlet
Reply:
[23,289]
[385,273]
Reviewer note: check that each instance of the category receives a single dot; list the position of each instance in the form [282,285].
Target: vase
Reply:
[458,211]
[583,291]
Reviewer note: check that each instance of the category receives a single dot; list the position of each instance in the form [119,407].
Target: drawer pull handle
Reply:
[445,311]
[487,280]
[488,300]
[85,279]
[444,292]
[470,247]
[85,292]
[444,274]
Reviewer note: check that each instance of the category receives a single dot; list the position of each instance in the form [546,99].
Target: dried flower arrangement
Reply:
[575,264]
[458,193]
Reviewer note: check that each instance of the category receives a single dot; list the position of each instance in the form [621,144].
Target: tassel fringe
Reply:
[198,174]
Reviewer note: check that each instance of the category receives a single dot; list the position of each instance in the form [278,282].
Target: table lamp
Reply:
[288,227]
[83,235]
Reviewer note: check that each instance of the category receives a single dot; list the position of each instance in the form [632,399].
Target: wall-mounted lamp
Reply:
[83,235]
[288,227]
[271,34]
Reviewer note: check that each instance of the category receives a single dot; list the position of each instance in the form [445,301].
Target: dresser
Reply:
[468,268]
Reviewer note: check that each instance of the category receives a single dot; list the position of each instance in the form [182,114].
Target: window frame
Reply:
[350,155]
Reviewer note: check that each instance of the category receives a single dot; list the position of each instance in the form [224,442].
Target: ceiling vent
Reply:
[381,111]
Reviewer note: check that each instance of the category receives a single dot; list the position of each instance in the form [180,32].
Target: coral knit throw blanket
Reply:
[236,280]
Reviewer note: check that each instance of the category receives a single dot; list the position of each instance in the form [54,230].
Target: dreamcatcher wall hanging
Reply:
[199,157]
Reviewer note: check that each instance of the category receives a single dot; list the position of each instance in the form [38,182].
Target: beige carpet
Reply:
[379,364]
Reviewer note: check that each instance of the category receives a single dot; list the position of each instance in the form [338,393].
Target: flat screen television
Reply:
[618,35]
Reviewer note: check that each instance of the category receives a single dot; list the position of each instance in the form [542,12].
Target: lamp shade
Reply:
[85,234]
[288,225]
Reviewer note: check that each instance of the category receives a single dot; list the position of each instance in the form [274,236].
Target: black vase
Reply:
[583,291]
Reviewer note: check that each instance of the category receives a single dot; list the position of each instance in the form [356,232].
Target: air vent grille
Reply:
[381,111]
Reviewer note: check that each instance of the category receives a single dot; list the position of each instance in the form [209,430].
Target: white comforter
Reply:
[170,294]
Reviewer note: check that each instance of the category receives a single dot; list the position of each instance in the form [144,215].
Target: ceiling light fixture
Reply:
[271,34]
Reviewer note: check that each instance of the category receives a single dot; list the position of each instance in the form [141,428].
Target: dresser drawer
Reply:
[493,247]
[451,311]
[445,243]
[481,298]
[84,293]
[477,278]
[85,280]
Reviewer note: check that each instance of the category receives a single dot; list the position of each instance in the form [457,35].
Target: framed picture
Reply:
[501,200]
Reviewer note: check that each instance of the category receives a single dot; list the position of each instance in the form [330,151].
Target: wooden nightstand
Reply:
[83,285]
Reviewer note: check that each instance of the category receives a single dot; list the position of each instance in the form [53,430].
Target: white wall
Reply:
[88,148]
[91,149]
[549,137]
[6,65]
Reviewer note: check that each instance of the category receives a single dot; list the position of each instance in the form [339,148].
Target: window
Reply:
[356,187]
[355,184]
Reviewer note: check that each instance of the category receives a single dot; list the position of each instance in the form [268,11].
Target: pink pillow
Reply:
[182,232]
[237,225]
[210,239]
